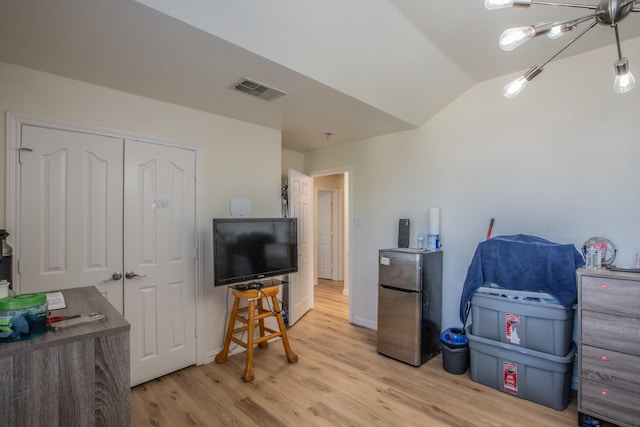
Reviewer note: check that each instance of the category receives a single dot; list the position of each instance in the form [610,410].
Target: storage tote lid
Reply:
[454,338]
[16,302]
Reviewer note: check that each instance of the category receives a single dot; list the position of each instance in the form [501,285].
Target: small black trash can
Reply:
[455,351]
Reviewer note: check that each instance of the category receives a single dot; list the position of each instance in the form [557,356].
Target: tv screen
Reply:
[249,249]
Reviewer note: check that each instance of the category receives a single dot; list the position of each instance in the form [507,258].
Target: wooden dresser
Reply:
[78,376]
[609,345]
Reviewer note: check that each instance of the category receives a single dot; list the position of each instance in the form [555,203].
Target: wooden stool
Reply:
[255,319]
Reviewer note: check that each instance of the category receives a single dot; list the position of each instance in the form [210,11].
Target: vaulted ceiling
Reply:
[355,68]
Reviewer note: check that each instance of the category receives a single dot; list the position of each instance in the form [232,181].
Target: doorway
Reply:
[331,228]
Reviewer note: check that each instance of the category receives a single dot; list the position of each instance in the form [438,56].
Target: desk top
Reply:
[79,301]
[606,273]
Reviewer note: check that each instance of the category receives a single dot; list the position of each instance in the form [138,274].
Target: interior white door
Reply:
[324,235]
[70,212]
[160,255]
[301,284]
[337,238]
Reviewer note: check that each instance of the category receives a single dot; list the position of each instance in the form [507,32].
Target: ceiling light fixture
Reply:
[606,12]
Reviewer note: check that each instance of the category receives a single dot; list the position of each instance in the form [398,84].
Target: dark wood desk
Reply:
[78,376]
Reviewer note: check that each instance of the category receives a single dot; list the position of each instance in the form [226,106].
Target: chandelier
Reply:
[607,12]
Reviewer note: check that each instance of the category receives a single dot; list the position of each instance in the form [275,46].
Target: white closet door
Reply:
[77,191]
[71,212]
[160,250]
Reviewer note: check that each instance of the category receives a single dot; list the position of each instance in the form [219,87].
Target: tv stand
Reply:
[248,286]
[259,285]
[251,318]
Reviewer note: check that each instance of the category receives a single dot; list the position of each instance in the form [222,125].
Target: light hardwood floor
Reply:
[339,380]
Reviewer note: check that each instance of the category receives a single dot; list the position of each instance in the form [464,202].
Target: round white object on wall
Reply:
[240,208]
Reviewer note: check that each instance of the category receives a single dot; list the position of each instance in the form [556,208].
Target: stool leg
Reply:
[263,344]
[222,356]
[247,376]
[291,356]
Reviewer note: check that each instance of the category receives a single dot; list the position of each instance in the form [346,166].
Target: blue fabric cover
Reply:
[524,263]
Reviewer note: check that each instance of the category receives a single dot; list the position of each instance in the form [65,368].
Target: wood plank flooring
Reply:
[339,380]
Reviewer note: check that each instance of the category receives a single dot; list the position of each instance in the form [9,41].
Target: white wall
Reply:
[560,162]
[291,160]
[238,159]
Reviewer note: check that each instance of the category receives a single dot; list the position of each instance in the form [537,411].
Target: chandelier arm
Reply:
[615,30]
[545,27]
[580,20]
[570,43]
[553,3]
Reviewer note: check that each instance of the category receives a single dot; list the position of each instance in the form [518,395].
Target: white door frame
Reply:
[14,123]
[337,229]
[348,229]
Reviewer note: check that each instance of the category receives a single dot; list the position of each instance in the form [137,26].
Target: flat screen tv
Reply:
[250,249]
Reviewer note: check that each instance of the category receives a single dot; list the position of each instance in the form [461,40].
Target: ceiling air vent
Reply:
[258,89]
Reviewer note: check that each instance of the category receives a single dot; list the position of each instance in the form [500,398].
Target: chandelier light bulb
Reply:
[512,89]
[515,87]
[555,32]
[624,81]
[514,37]
[501,4]
[497,4]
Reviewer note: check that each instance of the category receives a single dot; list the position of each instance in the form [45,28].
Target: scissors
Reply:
[53,319]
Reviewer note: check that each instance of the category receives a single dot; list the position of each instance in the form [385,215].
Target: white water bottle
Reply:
[592,255]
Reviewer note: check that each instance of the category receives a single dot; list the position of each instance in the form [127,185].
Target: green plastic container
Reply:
[23,316]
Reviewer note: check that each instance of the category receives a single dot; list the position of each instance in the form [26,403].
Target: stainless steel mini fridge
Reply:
[409,304]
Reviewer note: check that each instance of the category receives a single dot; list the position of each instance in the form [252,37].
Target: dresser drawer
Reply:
[609,402]
[611,367]
[610,331]
[616,296]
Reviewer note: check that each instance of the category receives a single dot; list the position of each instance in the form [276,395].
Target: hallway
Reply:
[328,299]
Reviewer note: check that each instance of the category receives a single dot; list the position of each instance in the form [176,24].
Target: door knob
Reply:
[131,275]
[115,276]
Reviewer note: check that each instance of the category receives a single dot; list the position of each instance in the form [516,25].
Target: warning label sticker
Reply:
[510,377]
[512,322]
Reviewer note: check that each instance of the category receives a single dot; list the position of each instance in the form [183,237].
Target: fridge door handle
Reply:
[393,288]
